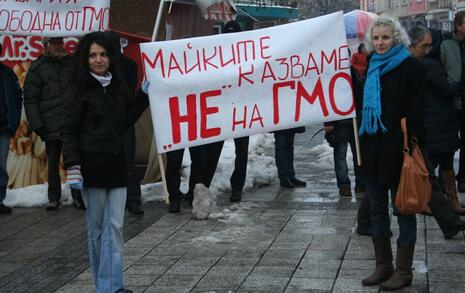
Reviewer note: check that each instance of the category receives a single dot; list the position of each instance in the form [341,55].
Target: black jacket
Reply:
[44,89]
[401,96]
[95,120]
[440,118]
[13,98]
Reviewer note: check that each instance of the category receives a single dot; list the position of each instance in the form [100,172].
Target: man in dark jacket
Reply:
[10,113]
[129,75]
[339,134]
[44,87]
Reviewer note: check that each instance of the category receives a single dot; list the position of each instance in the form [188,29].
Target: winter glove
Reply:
[74,178]
[145,86]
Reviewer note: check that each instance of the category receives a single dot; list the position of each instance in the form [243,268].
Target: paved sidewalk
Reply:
[276,240]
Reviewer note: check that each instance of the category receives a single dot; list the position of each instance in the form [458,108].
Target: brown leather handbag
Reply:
[414,190]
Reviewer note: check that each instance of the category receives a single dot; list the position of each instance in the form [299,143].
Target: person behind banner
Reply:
[284,157]
[241,147]
[402,80]
[129,74]
[339,134]
[11,97]
[44,90]
[98,110]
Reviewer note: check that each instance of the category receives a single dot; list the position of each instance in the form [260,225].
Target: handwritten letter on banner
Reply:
[213,88]
[53,18]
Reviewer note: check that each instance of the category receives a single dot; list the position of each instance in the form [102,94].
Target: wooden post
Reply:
[357,143]
[156,28]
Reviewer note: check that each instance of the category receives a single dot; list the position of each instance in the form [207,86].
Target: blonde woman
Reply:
[392,90]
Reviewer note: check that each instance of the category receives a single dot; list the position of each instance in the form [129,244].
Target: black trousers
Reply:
[240,163]
[213,152]
[133,189]
[461,172]
[53,150]
[284,154]
[173,167]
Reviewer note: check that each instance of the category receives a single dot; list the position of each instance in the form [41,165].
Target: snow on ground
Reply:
[261,171]
[238,225]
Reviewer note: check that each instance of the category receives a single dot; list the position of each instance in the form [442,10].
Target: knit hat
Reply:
[232,27]
[45,40]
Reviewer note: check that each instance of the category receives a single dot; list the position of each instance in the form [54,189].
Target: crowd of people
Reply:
[84,107]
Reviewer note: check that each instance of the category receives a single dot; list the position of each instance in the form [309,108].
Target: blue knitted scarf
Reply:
[379,65]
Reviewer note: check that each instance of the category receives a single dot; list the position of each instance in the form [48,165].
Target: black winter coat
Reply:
[401,96]
[13,98]
[440,118]
[95,120]
[44,90]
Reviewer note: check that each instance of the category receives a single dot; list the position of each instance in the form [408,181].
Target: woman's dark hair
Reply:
[81,58]
[360,47]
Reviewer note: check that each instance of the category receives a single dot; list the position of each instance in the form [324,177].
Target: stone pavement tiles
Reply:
[276,240]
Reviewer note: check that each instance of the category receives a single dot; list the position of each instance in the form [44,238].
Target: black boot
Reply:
[175,203]
[236,196]
[287,183]
[298,182]
[135,208]
[363,217]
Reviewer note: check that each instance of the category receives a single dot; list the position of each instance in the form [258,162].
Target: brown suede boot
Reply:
[384,267]
[451,191]
[403,275]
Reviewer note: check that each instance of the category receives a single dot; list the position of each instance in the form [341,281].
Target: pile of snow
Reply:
[204,202]
[238,225]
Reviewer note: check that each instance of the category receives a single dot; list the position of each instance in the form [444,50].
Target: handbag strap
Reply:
[403,125]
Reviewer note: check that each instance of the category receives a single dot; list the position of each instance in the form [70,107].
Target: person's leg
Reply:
[213,153]
[237,179]
[402,275]
[77,199]
[238,176]
[381,233]
[359,182]
[53,149]
[94,199]
[173,178]
[290,154]
[4,148]
[363,217]
[110,274]
[461,172]
[340,163]
[448,175]
[198,166]
[282,158]
[134,195]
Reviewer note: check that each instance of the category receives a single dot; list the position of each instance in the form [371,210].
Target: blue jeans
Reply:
[345,135]
[284,154]
[105,216]
[4,149]
[379,214]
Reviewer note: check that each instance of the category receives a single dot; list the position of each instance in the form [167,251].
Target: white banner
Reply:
[53,18]
[213,88]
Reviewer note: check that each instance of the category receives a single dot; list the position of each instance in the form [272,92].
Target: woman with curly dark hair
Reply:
[97,111]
